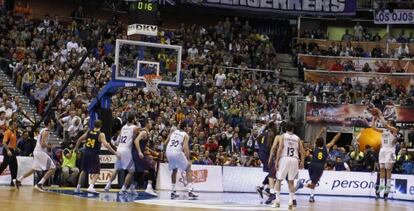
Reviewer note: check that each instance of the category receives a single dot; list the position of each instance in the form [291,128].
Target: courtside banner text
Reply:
[205,178]
[24,165]
[334,183]
[319,7]
[395,17]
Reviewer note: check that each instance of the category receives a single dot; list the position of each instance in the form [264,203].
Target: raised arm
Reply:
[388,126]
[323,129]
[334,140]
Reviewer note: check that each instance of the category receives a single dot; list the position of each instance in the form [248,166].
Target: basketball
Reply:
[370,137]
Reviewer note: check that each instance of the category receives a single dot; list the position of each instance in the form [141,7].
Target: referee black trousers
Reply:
[10,161]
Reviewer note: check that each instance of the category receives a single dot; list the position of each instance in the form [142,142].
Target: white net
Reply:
[152,82]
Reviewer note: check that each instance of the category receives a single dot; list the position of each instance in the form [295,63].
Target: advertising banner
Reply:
[398,16]
[151,30]
[315,7]
[205,178]
[352,114]
[326,62]
[24,165]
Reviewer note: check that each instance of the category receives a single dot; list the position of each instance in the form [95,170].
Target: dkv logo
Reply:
[198,176]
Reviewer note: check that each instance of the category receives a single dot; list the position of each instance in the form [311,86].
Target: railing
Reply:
[326,62]
[367,46]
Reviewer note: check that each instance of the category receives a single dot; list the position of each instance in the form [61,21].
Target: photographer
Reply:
[69,170]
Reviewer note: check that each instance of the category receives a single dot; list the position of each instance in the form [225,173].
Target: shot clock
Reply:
[142,12]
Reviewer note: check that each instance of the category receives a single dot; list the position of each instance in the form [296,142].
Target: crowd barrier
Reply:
[24,165]
[246,179]
[326,62]
[367,46]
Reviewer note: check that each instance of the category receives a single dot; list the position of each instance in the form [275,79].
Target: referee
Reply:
[9,150]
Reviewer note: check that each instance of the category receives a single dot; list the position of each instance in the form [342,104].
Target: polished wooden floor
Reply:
[28,199]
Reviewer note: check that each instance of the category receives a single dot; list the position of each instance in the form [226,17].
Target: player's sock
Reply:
[278,195]
[312,192]
[291,197]
[190,187]
[272,191]
[123,188]
[382,182]
[173,187]
[294,196]
[20,178]
[91,186]
[42,181]
[78,186]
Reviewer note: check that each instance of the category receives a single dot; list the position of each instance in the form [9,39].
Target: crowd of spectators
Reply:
[225,108]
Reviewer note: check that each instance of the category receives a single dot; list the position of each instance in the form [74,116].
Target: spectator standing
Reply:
[25,145]
[358,32]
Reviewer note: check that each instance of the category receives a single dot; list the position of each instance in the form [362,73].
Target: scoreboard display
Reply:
[142,12]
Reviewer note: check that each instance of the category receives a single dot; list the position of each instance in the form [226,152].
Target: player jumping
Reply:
[317,165]
[287,162]
[386,154]
[178,155]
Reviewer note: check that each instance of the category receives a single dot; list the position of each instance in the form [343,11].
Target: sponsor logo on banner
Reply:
[143,29]
[205,178]
[104,177]
[396,17]
[321,7]
[25,164]
[107,158]
[198,176]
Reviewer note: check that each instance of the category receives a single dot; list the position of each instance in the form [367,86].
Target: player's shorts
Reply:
[143,164]
[90,163]
[288,168]
[315,171]
[42,161]
[177,160]
[126,162]
[386,156]
[264,158]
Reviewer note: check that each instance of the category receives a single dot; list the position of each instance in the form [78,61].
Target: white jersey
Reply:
[126,137]
[39,139]
[175,144]
[387,139]
[290,145]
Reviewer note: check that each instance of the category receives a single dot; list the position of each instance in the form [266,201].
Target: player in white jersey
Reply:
[178,155]
[124,150]
[387,153]
[287,162]
[41,160]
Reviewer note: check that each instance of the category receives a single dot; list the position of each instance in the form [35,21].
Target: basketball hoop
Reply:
[152,81]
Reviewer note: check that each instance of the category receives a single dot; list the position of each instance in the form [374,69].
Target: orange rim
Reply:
[152,77]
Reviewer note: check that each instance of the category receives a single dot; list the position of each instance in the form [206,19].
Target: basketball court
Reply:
[63,199]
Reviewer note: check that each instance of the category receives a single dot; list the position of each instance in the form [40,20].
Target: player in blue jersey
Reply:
[317,165]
